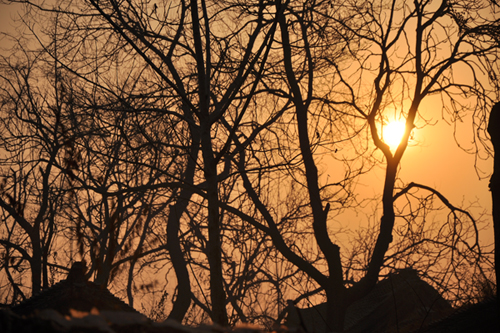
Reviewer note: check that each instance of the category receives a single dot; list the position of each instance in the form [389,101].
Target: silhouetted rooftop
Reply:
[75,292]
[402,302]
[481,317]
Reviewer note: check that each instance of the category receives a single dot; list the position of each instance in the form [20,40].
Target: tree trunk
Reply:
[335,289]
[335,308]
[217,294]
[494,131]
[183,300]
[36,265]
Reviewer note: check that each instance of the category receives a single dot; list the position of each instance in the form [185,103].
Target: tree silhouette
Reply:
[395,48]
[195,139]
[193,69]
[493,125]
[34,168]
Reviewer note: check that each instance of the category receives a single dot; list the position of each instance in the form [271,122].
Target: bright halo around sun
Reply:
[393,133]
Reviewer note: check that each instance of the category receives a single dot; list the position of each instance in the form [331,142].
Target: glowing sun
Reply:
[393,133]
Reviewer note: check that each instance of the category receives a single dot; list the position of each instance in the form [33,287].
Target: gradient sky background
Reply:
[7,13]
[435,161]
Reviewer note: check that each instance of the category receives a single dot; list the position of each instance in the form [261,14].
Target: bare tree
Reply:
[195,63]
[492,130]
[34,144]
[213,116]
[396,62]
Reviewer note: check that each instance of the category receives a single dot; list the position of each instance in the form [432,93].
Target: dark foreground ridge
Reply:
[51,321]
[400,303]
[78,305]
[75,292]
[480,317]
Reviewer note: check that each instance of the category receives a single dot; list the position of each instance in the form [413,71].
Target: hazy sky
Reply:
[7,12]
[436,161]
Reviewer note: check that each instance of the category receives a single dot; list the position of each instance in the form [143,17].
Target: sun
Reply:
[393,133]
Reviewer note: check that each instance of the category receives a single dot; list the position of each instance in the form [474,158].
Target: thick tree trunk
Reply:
[217,294]
[183,300]
[386,223]
[335,308]
[494,131]
[36,268]
[334,287]
[103,273]
[45,259]
[107,253]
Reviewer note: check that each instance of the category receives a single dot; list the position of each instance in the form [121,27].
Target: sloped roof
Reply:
[481,317]
[401,302]
[75,292]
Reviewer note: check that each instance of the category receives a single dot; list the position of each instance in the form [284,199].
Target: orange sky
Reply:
[436,161]
[7,12]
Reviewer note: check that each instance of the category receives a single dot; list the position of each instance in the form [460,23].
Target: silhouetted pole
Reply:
[494,131]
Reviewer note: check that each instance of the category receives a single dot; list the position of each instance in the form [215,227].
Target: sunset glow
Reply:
[393,133]
[164,157]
